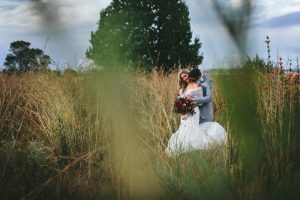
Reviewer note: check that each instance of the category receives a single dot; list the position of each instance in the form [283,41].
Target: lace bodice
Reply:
[196,92]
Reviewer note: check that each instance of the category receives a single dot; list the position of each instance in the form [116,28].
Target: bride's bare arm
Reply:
[180,91]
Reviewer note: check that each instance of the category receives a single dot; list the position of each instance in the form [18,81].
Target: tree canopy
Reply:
[23,58]
[144,33]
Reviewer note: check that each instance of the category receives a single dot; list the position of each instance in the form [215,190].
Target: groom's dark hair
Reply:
[195,74]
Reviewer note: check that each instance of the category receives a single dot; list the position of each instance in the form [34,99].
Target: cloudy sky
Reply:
[62,28]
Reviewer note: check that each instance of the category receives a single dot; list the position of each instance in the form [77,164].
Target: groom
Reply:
[204,102]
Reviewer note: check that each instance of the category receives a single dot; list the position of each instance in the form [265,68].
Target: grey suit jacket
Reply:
[205,102]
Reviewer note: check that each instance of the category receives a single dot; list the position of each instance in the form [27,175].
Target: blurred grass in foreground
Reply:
[102,136]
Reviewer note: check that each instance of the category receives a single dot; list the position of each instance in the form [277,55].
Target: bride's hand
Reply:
[189,97]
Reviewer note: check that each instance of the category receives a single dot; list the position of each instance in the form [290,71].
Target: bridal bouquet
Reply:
[184,106]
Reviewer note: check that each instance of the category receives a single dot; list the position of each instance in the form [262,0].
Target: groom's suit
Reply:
[205,102]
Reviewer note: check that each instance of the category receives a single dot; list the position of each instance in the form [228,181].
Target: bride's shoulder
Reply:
[197,88]
[194,86]
[194,91]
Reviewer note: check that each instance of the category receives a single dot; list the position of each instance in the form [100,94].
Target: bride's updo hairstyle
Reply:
[195,74]
[181,83]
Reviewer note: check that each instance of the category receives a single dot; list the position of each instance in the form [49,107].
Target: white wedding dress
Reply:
[194,136]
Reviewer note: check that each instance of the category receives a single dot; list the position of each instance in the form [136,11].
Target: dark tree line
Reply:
[23,58]
[144,33]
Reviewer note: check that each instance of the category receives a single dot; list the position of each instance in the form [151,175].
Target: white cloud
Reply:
[236,3]
[267,9]
[84,11]
[65,23]
[284,43]
[218,47]
[16,16]
[39,15]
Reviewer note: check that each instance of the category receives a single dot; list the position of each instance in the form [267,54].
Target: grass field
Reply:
[102,135]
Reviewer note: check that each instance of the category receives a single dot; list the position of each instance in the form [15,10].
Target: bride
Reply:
[191,135]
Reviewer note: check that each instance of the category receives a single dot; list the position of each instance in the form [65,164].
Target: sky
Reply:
[62,29]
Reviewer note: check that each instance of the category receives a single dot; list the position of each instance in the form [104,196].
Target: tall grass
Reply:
[46,126]
[102,135]
[278,104]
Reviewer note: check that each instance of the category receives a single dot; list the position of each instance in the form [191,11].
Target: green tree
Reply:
[23,58]
[144,33]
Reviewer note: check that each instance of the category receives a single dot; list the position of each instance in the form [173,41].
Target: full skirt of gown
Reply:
[194,136]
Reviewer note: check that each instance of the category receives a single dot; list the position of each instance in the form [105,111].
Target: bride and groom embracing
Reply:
[197,131]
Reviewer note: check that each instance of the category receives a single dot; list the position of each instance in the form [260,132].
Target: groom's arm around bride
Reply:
[205,102]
